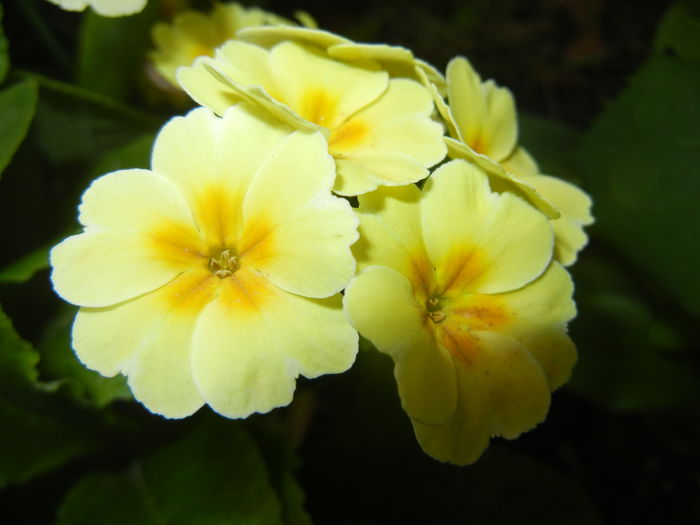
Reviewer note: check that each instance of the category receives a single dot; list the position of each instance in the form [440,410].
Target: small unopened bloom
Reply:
[214,277]
[458,286]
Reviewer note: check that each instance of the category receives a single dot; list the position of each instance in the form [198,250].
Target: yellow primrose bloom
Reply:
[481,119]
[193,34]
[458,287]
[214,277]
[379,129]
[103,7]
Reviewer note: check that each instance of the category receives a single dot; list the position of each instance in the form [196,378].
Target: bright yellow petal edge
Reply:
[478,341]
[213,278]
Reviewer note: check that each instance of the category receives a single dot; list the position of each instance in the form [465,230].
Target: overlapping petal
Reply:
[380,131]
[502,392]
[380,303]
[252,342]
[218,253]
[478,240]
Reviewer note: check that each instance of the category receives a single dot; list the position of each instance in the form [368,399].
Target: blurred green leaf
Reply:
[679,31]
[58,362]
[17,106]
[133,154]
[551,143]
[4,53]
[274,436]
[112,51]
[630,357]
[38,433]
[641,165]
[77,125]
[215,475]
[23,269]
[17,357]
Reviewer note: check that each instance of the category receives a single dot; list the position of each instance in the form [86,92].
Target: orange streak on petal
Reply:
[463,346]
[464,265]
[256,242]
[217,213]
[347,136]
[317,106]
[190,292]
[178,244]
[246,292]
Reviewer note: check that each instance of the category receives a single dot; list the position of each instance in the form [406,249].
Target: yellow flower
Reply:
[481,119]
[214,277]
[458,287]
[379,129]
[103,7]
[193,34]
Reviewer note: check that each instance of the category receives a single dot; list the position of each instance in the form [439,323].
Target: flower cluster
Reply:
[215,277]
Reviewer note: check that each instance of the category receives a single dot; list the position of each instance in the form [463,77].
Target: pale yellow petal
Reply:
[391,233]
[440,104]
[299,238]
[321,90]
[520,163]
[500,179]
[353,178]
[214,160]
[252,343]
[538,314]
[205,88]
[365,171]
[502,392]
[149,338]
[246,64]
[478,240]
[137,200]
[575,208]
[270,36]
[352,51]
[160,372]
[118,7]
[500,130]
[466,99]
[379,302]
[400,121]
[102,268]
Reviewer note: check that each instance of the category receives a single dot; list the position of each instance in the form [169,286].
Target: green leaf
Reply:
[90,125]
[40,432]
[551,143]
[25,268]
[58,362]
[17,106]
[642,167]
[273,436]
[112,51]
[17,357]
[631,358]
[4,53]
[133,154]
[215,475]
[679,31]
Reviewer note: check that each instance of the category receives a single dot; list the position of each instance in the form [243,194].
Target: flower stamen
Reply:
[434,308]
[225,265]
